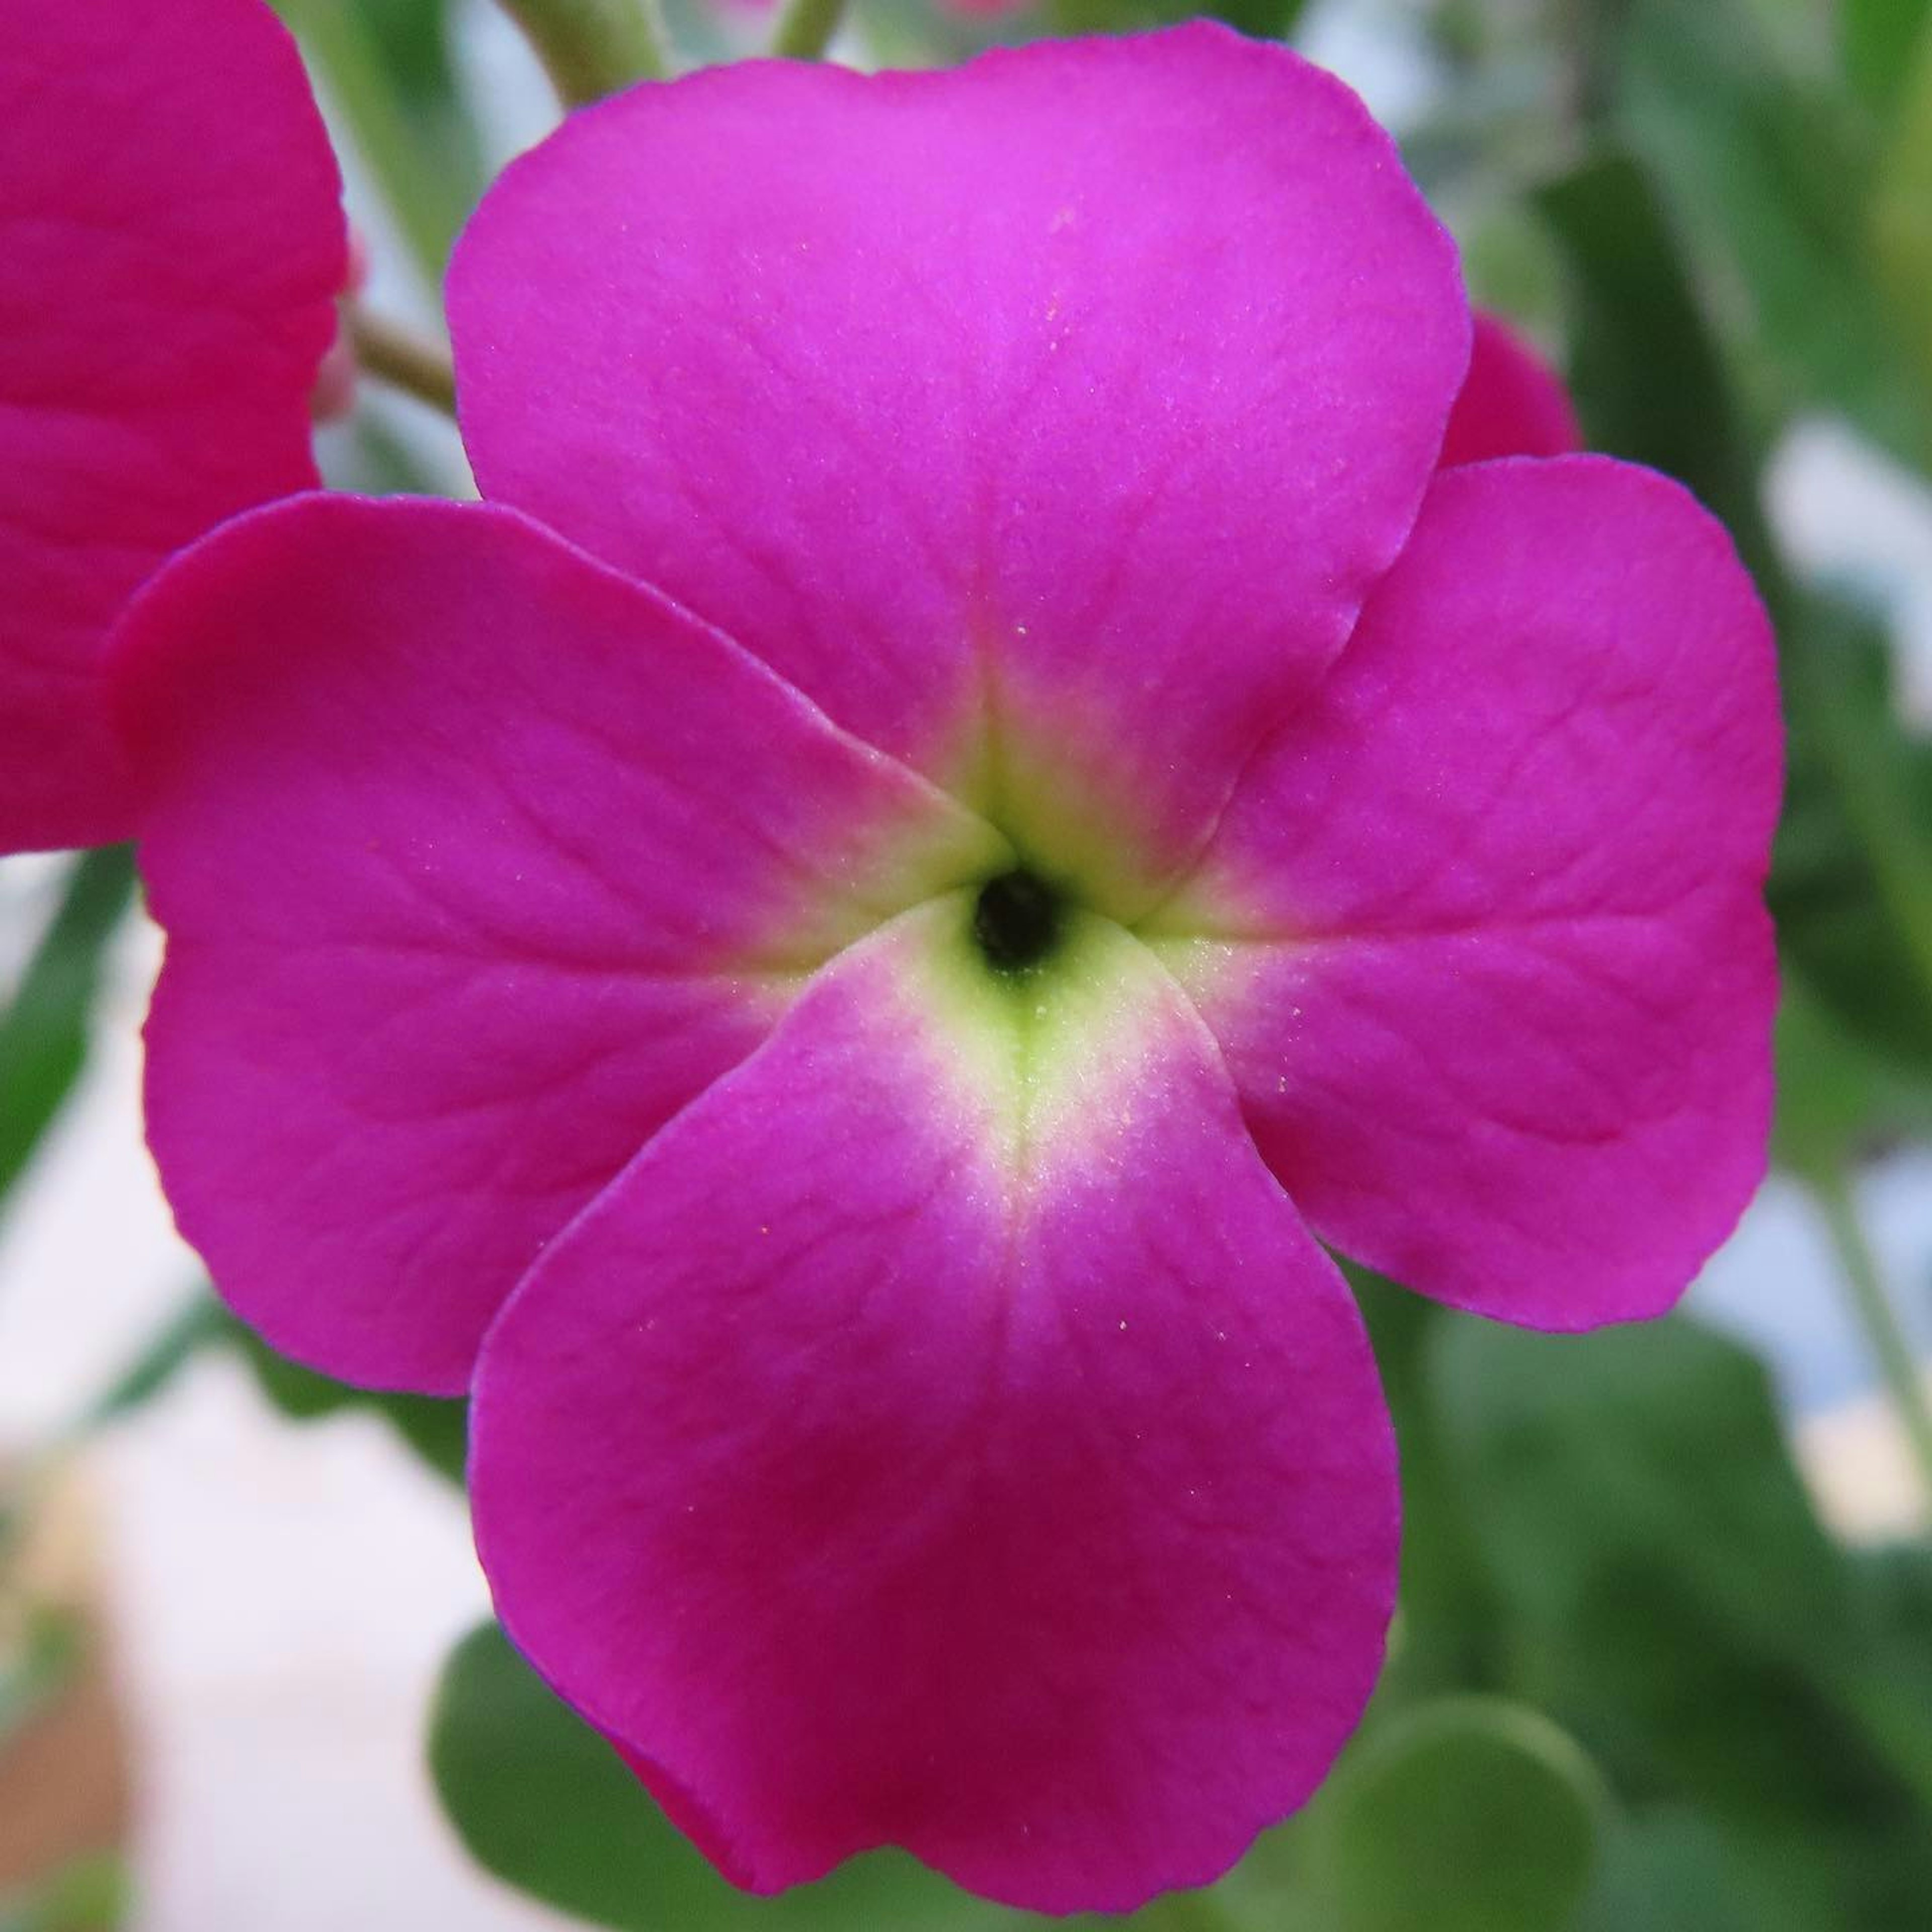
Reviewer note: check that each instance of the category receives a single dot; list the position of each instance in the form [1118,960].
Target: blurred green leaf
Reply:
[1581,1450]
[1880,39]
[1262,20]
[1894,1585]
[543,1801]
[1895,1579]
[200,1321]
[1466,1815]
[44,1029]
[393,92]
[1672,1601]
[1837,1102]
[1447,1620]
[436,1428]
[90,1895]
[412,39]
[1673,1871]
[1510,265]
[38,1665]
[1851,885]
[1768,170]
[1649,380]
[1900,219]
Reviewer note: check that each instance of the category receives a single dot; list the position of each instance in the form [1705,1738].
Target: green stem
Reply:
[43,1029]
[805,27]
[429,208]
[395,354]
[1878,1318]
[591,48]
[1593,31]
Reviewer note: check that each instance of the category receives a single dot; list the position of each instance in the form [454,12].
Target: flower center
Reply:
[1017,922]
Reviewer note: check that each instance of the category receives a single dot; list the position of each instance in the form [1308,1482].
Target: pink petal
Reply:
[1046,419]
[477,862]
[1513,403]
[174,243]
[1486,942]
[946,1434]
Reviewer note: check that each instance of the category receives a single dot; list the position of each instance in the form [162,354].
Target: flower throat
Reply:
[1017,922]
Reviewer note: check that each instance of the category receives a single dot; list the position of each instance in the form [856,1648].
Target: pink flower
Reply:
[174,244]
[834,951]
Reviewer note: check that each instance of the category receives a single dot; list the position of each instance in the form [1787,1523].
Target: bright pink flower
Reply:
[1116,815]
[1512,403]
[174,244]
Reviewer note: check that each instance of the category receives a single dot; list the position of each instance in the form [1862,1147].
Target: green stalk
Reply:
[1877,1318]
[591,48]
[805,27]
[396,354]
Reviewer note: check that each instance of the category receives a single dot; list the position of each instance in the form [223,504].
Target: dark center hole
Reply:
[1016,922]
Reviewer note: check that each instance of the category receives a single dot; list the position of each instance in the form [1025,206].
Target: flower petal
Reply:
[1058,410]
[1485,939]
[946,1434]
[477,862]
[174,244]
[1512,404]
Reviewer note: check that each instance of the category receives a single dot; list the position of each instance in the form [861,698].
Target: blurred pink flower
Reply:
[1513,403]
[834,952]
[332,395]
[175,243]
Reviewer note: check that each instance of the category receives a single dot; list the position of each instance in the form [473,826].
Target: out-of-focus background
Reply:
[1718,214]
